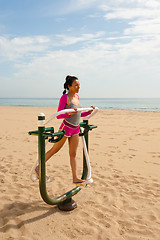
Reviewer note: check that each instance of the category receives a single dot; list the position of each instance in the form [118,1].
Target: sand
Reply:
[123,202]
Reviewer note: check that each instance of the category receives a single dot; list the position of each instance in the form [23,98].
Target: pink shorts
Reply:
[70,129]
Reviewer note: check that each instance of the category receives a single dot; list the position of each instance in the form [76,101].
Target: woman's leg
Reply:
[56,147]
[73,145]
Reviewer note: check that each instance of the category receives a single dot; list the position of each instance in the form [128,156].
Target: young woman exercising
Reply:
[71,124]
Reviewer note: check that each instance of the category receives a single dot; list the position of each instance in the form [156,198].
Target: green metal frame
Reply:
[44,133]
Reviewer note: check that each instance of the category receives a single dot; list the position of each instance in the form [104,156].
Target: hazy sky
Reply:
[112,46]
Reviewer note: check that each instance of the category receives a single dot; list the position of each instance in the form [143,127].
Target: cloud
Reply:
[126,13]
[12,48]
[66,40]
[142,23]
[150,27]
[102,66]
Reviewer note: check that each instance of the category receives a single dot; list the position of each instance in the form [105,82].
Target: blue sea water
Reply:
[138,104]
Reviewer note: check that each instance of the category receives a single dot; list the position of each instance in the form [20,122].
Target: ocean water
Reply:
[137,104]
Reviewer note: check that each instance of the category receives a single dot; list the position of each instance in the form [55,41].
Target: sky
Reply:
[112,46]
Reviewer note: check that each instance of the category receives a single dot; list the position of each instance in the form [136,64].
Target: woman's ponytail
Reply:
[64,92]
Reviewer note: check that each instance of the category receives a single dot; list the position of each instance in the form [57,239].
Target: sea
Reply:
[136,104]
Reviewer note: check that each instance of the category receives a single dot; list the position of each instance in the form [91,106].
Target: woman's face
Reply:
[75,86]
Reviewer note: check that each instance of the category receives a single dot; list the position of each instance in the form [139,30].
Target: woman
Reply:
[71,124]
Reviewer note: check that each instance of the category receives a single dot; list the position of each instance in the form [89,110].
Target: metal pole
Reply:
[41,154]
[85,168]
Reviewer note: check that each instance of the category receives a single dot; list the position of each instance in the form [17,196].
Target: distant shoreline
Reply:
[134,104]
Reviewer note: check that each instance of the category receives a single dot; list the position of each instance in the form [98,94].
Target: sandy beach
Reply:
[123,202]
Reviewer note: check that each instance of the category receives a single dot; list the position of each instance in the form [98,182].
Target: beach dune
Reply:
[123,202]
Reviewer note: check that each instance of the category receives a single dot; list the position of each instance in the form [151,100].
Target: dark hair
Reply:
[68,82]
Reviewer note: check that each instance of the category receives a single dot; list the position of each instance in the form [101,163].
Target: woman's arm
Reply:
[84,114]
[61,106]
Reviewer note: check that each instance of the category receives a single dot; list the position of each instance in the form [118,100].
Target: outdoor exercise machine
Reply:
[65,201]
